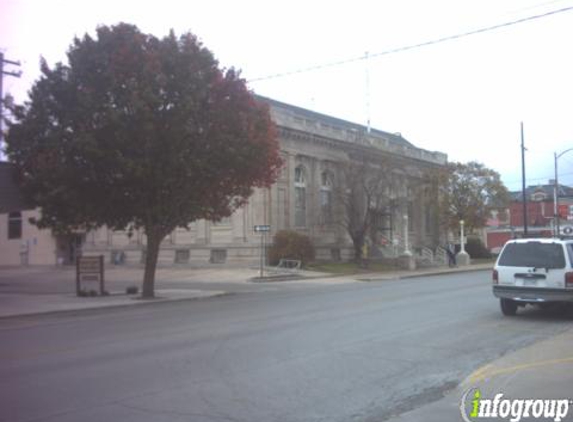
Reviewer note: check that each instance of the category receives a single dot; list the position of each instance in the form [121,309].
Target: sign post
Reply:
[89,268]
[263,230]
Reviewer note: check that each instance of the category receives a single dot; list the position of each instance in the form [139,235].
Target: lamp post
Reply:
[462,258]
[556,225]
[462,246]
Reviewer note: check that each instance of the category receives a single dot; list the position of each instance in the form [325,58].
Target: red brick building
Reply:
[540,215]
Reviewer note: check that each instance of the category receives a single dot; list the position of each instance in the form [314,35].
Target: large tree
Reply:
[469,192]
[368,192]
[139,131]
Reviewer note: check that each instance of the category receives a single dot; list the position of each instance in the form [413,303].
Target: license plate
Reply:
[530,283]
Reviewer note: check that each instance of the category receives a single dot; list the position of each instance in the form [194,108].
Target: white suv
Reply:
[533,271]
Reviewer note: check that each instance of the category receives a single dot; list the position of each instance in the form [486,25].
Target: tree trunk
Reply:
[357,241]
[153,242]
[357,253]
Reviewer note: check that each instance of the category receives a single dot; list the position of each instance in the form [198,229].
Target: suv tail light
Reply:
[569,280]
[495,277]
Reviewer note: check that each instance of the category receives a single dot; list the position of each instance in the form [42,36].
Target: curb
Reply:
[277,278]
[398,276]
[456,271]
[380,277]
[136,302]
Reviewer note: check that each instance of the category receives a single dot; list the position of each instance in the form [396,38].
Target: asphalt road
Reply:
[346,352]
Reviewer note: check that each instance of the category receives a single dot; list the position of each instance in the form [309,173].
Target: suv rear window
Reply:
[533,254]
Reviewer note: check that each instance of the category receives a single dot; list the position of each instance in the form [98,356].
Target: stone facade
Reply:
[314,146]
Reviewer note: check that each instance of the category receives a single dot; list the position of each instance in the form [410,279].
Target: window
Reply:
[326,198]
[15,225]
[299,197]
[218,256]
[225,221]
[533,254]
[538,196]
[429,211]
[182,256]
[299,175]
[410,212]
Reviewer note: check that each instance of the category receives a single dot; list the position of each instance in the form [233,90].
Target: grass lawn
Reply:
[349,267]
[345,268]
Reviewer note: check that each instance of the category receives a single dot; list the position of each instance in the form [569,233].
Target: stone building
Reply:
[314,147]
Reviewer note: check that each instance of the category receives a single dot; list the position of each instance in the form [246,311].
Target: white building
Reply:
[313,146]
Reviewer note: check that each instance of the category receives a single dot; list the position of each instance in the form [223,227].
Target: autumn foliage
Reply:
[140,131]
[469,192]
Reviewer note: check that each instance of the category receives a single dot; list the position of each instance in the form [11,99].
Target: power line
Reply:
[413,46]
[538,178]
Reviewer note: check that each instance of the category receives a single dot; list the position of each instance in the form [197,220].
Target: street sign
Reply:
[262,228]
[89,268]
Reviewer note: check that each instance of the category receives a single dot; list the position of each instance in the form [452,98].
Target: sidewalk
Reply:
[37,290]
[422,272]
[12,305]
[543,370]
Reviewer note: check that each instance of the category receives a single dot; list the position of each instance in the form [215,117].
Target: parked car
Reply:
[533,271]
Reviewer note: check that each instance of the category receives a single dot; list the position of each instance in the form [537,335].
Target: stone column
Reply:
[406,260]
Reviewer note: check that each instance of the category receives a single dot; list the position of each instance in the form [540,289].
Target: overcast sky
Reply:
[465,97]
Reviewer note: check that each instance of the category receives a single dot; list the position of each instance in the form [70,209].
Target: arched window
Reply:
[326,197]
[300,197]
[299,175]
[15,225]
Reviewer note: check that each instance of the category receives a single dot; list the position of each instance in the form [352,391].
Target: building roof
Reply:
[544,192]
[10,196]
[395,138]
[316,124]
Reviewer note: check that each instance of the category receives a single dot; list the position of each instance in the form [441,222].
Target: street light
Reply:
[462,258]
[462,247]
[555,194]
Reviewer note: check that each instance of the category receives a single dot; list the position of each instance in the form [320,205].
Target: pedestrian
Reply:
[451,251]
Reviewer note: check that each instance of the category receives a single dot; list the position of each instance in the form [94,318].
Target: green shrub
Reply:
[288,244]
[476,249]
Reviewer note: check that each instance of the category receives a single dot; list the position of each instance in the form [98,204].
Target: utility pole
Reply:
[2,73]
[366,56]
[557,223]
[523,184]
[556,228]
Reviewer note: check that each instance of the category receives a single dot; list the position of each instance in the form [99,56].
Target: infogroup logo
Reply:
[474,407]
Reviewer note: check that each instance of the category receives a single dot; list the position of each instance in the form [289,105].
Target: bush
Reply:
[131,290]
[476,249]
[289,244]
